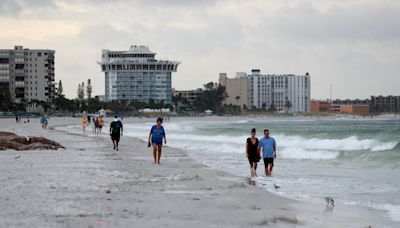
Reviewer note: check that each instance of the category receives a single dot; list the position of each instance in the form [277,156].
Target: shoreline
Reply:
[197,192]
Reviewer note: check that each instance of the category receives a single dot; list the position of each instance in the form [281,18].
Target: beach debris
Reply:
[330,203]
[10,140]
[277,186]
[108,191]
[16,157]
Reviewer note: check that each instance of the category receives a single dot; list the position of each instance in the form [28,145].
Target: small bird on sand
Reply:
[276,186]
[329,202]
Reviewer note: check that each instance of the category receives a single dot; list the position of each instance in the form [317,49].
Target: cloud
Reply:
[347,43]
[15,7]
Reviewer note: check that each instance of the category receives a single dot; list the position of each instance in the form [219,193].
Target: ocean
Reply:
[356,161]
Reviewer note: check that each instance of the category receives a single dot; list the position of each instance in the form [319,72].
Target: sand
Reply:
[88,184]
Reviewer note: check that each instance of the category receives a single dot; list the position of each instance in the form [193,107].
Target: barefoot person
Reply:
[253,152]
[84,124]
[157,134]
[44,122]
[101,123]
[116,130]
[268,146]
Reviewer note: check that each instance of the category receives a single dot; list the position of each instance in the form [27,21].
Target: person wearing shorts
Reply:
[268,146]
[253,152]
[157,135]
[116,130]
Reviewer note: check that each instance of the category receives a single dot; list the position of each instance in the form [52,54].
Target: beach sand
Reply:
[88,184]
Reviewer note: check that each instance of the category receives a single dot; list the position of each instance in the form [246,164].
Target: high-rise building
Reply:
[136,75]
[28,74]
[269,91]
[237,89]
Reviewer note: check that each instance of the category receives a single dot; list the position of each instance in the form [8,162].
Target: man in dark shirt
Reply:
[116,130]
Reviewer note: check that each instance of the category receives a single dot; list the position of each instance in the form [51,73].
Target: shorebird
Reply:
[329,202]
[276,186]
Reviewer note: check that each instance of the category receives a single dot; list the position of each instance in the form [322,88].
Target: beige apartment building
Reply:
[28,74]
[237,89]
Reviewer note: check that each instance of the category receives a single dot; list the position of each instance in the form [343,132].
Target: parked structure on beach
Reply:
[136,75]
[287,92]
[28,75]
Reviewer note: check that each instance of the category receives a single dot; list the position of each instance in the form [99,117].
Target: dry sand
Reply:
[88,184]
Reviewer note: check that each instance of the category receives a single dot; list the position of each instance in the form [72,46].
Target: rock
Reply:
[12,141]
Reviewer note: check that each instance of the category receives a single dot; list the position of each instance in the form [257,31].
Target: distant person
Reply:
[96,125]
[84,124]
[101,123]
[157,135]
[44,122]
[16,120]
[268,146]
[116,130]
[88,120]
[253,152]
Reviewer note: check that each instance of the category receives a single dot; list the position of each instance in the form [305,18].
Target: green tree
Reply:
[211,98]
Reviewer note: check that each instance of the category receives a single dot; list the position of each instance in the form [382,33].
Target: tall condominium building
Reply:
[136,75]
[271,92]
[280,92]
[238,89]
[28,74]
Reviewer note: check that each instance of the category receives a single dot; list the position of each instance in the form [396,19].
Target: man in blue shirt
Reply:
[268,146]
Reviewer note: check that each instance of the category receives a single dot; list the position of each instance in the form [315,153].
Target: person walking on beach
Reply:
[101,123]
[116,130]
[157,135]
[44,122]
[84,124]
[268,146]
[253,152]
[96,125]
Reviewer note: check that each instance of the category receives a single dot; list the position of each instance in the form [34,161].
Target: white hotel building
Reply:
[136,75]
[277,91]
[286,92]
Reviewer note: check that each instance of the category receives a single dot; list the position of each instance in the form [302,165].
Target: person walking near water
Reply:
[157,135]
[268,146]
[84,124]
[116,130]
[44,122]
[253,152]
[101,123]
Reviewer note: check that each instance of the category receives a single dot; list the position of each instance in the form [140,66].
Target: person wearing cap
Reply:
[116,130]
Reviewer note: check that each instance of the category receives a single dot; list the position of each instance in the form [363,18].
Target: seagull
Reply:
[276,186]
[329,202]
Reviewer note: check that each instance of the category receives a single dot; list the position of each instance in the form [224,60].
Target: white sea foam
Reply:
[185,136]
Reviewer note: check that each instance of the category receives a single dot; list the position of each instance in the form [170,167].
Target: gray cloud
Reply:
[349,45]
[15,7]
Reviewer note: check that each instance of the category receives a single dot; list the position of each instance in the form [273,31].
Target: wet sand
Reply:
[88,184]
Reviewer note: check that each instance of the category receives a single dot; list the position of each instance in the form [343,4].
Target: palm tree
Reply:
[288,105]
[237,100]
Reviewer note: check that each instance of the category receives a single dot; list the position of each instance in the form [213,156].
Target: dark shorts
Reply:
[268,161]
[100,126]
[115,137]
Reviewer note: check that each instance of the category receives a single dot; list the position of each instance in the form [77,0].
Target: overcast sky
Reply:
[355,45]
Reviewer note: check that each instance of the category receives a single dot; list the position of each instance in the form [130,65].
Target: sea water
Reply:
[354,161]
